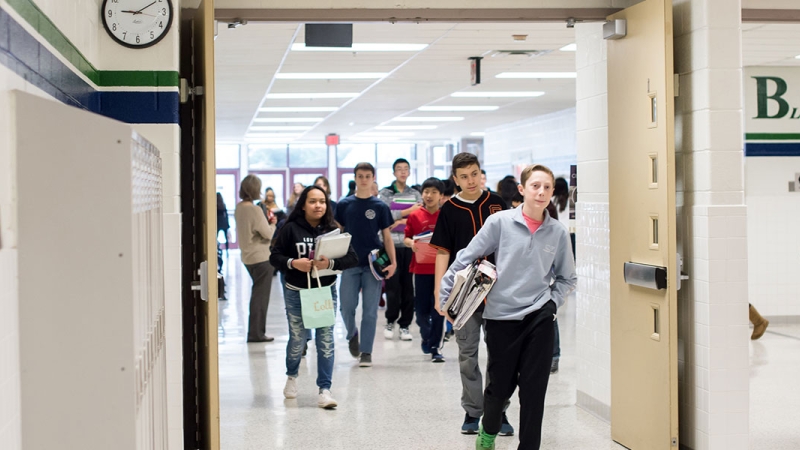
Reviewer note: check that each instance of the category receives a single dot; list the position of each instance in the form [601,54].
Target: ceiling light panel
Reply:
[312,95]
[497,94]
[280,128]
[569,48]
[536,75]
[379,134]
[458,108]
[427,119]
[362,47]
[478,133]
[284,109]
[332,76]
[406,127]
[288,119]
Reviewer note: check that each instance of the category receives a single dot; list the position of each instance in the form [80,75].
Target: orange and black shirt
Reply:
[460,221]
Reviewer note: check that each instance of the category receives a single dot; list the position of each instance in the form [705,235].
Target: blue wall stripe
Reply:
[772,149]
[21,53]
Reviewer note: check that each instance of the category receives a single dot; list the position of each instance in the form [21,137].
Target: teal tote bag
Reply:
[316,305]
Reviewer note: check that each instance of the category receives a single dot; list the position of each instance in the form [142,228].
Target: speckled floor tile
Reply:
[403,401]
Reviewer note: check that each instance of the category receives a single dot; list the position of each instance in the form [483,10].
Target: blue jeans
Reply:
[431,323]
[298,337]
[360,279]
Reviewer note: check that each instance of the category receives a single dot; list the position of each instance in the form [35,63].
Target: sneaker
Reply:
[436,356]
[426,348]
[326,400]
[448,335]
[353,345]
[505,428]
[290,390]
[388,331]
[554,366]
[305,348]
[366,360]
[471,425]
[485,441]
[405,335]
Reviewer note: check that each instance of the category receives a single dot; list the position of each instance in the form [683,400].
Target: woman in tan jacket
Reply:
[255,233]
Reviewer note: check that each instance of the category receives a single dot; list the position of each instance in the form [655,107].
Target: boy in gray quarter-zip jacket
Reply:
[531,249]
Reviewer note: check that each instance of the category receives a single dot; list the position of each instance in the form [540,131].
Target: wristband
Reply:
[289,263]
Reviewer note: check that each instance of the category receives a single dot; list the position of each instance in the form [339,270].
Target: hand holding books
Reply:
[470,287]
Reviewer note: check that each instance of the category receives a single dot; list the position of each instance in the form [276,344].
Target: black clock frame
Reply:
[134,46]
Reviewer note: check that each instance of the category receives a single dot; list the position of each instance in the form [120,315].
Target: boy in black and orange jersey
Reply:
[459,221]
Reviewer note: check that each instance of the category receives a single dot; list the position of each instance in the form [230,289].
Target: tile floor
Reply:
[405,401]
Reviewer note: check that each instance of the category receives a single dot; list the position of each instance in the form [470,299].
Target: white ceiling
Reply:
[248,57]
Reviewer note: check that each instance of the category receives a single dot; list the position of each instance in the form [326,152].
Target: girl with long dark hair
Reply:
[292,252]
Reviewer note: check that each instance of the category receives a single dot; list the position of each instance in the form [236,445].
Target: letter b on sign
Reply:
[763,97]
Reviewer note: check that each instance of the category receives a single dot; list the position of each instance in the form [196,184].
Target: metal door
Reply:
[641,156]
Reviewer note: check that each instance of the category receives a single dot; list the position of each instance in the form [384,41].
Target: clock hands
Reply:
[140,11]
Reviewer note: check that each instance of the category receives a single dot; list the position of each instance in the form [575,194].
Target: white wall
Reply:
[79,21]
[593,309]
[547,139]
[773,242]
[712,306]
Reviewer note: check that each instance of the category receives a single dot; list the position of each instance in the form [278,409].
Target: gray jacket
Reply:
[387,195]
[526,265]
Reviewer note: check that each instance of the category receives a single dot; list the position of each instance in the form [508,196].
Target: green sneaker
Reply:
[485,441]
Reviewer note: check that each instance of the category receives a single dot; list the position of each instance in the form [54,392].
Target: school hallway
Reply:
[403,401]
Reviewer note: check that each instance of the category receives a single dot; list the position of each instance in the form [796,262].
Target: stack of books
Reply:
[425,254]
[331,245]
[470,287]
[399,204]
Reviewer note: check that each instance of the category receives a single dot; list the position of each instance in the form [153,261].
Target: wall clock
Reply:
[137,23]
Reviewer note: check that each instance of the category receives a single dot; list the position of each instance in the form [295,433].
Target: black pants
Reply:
[400,290]
[520,355]
[261,273]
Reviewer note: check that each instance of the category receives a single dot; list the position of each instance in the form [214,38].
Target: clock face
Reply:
[137,23]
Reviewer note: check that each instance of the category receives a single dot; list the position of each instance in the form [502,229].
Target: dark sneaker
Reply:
[353,345]
[436,356]
[485,441]
[448,335]
[554,366]
[426,348]
[305,348]
[505,428]
[471,425]
[366,360]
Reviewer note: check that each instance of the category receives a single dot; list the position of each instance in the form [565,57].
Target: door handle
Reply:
[645,275]
[202,285]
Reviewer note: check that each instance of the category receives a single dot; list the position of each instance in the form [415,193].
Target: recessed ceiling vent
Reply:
[519,53]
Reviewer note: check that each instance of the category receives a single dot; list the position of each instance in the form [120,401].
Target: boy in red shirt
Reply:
[423,263]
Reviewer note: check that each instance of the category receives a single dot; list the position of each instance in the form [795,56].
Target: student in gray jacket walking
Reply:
[531,249]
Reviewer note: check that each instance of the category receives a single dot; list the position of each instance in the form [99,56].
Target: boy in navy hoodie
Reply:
[531,249]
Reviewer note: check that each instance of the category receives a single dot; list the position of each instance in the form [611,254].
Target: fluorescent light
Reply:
[312,95]
[478,133]
[298,109]
[537,75]
[427,119]
[289,119]
[406,127]
[497,94]
[331,76]
[797,57]
[280,128]
[569,48]
[301,47]
[378,134]
[374,138]
[273,135]
[458,108]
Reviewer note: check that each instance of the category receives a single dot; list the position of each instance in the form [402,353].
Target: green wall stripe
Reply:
[772,136]
[138,78]
[104,78]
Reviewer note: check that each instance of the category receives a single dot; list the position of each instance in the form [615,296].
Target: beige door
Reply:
[199,203]
[641,156]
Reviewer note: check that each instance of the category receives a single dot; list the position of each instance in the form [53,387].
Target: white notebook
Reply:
[332,247]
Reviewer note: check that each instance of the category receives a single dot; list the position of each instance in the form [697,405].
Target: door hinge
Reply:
[186,91]
[202,285]
[681,276]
